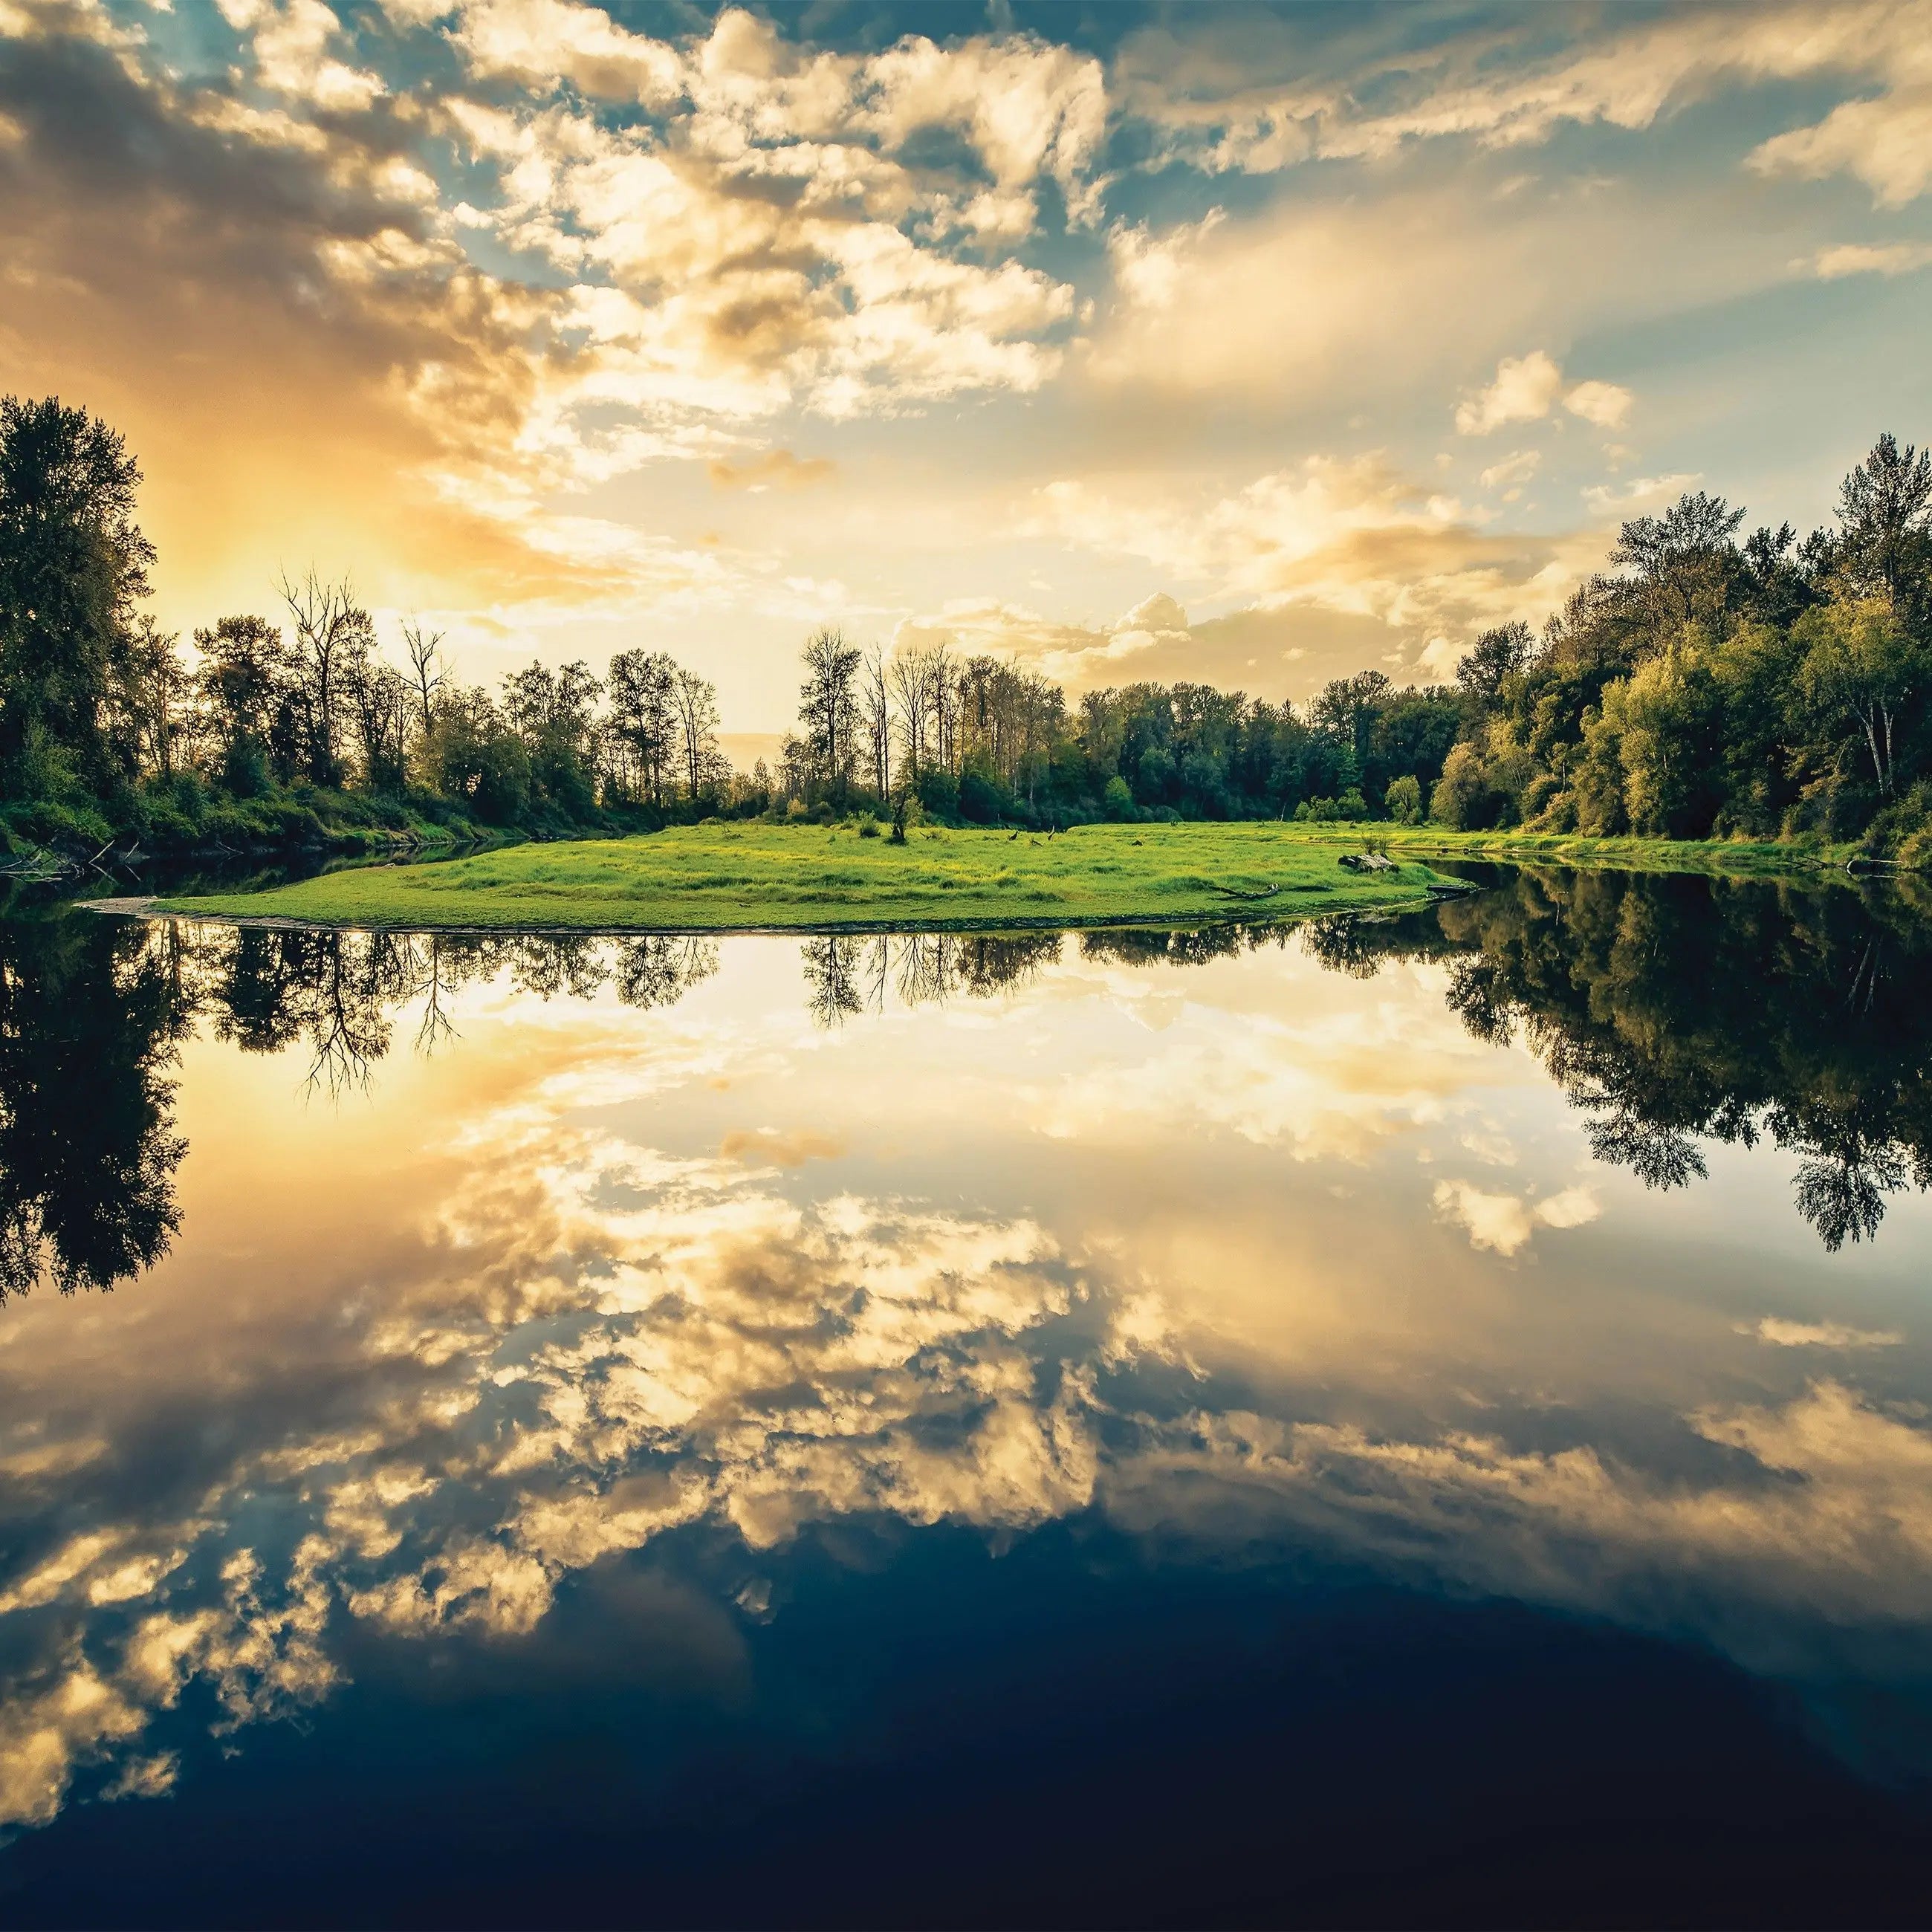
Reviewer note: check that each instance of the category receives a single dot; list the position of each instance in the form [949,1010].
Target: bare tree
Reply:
[694,700]
[332,633]
[875,707]
[908,676]
[426,668]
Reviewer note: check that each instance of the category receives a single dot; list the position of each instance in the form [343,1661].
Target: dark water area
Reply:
[1414,1419]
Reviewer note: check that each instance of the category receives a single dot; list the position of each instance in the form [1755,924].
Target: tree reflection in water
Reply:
[91,1012]
[1672,1012]
[847,973]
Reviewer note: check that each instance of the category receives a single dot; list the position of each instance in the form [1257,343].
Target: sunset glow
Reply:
[1208,342]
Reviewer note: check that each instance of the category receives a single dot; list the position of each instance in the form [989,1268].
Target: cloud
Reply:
[1527,387]
[779,466]
[1525,390]
[767,1146]
[654,286]
[1504,1223]
[1351,537]
[1606,404]
[295,46]
[1781,1334]
[1519,467]
[1609,499]
[1894,258]
[1261,102]
[1886,143]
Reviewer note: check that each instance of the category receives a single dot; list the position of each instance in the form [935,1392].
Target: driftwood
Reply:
[1235,893]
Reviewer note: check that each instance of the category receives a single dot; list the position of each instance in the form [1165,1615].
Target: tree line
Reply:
[1697,687]
[287,724]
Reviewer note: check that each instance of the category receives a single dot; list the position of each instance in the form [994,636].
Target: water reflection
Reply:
[1669,1013]
[91,1013]
[1673,1011]
[1233,1241]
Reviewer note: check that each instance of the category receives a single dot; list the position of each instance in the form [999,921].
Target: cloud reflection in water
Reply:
[1205,1237]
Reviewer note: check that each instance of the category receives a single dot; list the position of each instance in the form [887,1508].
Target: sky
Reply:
[1252,345]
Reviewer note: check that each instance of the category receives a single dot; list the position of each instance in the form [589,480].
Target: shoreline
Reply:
[749,877]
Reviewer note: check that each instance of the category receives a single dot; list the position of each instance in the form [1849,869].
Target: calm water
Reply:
[1429,1418]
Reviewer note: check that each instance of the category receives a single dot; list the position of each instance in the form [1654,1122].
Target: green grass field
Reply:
[716,877]
[712,878]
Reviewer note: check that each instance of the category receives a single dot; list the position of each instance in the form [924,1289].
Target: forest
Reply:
[1698,686]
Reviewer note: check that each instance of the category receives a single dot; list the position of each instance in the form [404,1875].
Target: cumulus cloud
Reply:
[744,226]
[1504,1222]
[1782,1333]
[1853,258]
[1527,387]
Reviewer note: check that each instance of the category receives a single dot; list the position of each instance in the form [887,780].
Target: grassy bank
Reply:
[709,877]
[1731,858]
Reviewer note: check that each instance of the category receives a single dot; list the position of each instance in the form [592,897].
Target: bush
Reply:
[244,769]
[981,799]
[939,793]
[868,828]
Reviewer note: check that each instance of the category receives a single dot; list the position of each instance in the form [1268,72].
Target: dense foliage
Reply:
[1626,987]
[1774,689]
[1698,688]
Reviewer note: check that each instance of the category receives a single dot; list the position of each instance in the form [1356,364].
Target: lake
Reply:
[1419,1418]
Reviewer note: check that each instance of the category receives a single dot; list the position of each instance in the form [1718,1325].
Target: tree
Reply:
[909,675]
[644,720]
[694,703]
[474,757]
[1885,508]
[1671,715]
[379,698]
[148,695]
[554,714]
[876,711]
[1403,800]
[426,672]
[828,709]
[73,565]
[1496,654]
[243,677]
[1346,707]
[331,636]
[1859,667]
[1683,562]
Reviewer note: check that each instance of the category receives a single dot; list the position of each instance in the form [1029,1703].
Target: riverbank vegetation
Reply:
[1699,688]
[721,875]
